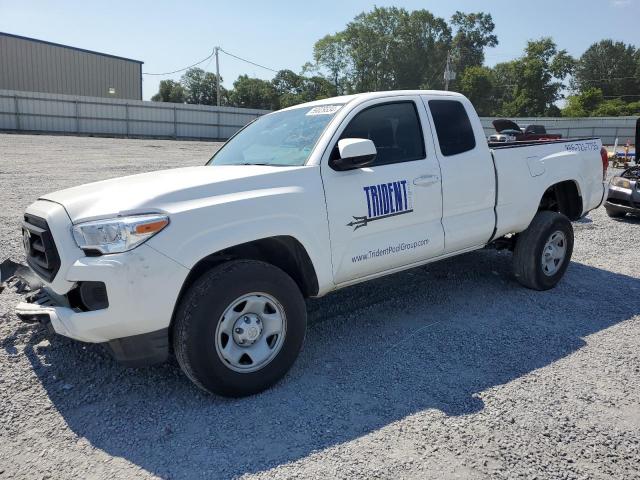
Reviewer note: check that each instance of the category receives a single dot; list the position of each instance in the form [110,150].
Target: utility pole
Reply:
[448,73]
[217,77]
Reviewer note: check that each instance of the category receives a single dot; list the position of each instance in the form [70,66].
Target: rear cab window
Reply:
[453,127]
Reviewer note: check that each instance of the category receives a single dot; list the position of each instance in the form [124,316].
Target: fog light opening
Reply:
[93,295]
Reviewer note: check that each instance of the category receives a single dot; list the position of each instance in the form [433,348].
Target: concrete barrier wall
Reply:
[44,112]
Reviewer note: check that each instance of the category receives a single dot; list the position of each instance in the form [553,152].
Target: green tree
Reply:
[253,93]
[200,87]
[473,33]
[478,85]
[386,48]
[331,52]
[531,84]
[170,91]
[293,89]
[583,104]
[316,88]
[612,67]
[288,86]
[616,107]
[419,56]
[505,77]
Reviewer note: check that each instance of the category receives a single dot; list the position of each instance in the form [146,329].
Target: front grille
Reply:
[40,249]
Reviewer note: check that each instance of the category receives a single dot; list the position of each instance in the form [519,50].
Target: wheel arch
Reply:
[563,197]
[282,251]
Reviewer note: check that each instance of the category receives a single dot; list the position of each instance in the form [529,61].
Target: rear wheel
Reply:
[239,328]
[543,251]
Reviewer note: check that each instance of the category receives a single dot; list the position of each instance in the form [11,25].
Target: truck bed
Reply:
[528,143]
[525,169]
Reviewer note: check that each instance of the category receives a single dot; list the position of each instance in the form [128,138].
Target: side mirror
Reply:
[354,153]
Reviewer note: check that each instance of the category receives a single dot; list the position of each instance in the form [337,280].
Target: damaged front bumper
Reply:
[141,286]
[39,307]
[122,300]
[19,276]
[42,306]
[133,351]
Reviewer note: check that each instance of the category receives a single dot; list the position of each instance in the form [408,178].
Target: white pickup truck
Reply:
[212,263]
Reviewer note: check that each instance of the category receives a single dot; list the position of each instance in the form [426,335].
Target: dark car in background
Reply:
[624,189]
[510,131]
[624,193]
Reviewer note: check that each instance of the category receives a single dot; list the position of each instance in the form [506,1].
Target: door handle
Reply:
[426,180]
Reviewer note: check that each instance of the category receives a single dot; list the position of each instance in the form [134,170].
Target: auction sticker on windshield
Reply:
[324,110]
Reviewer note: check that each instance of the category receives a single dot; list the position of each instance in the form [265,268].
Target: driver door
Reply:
[387,215]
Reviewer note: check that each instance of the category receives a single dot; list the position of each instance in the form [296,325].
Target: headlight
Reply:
[116,235]
[621,182]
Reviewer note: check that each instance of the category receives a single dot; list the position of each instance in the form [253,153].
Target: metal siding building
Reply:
[31,65]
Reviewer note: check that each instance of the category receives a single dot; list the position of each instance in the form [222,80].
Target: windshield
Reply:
[283,138]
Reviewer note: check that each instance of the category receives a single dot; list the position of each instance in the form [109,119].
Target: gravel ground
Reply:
[446,371]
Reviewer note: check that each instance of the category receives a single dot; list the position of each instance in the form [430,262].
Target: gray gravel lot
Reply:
[446,371]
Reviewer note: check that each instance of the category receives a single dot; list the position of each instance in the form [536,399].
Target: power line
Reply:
[608,79]
[618,96]
[182,69]
[208,63]
[248,61]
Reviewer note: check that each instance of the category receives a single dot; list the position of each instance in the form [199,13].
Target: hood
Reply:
[504,124]
[164,190]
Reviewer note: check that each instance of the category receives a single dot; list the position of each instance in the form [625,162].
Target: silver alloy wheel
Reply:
[250,332]
[554,253]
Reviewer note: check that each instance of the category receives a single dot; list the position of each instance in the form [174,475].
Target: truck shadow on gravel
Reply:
[431,338]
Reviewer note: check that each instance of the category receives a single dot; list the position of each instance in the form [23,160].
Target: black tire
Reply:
[527,255]
[615,213]
[201,308]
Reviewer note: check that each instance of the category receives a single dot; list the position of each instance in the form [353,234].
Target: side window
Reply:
[395,130]
[453,127]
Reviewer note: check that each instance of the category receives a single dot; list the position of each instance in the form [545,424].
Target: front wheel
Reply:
[543,251]
[239,328]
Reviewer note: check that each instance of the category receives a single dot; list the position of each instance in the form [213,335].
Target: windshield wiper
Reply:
[265,164]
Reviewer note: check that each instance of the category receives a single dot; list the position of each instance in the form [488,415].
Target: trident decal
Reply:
[358,222]
[384,201]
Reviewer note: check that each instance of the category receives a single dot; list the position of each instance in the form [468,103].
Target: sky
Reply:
[168,36]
